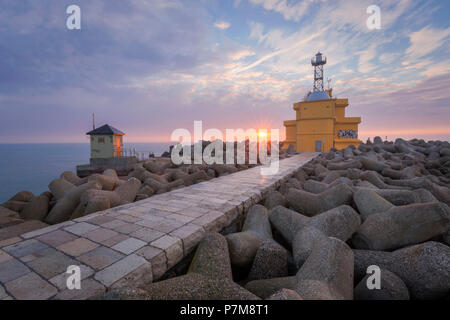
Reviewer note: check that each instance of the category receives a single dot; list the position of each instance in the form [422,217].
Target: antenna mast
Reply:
[93,121]
[318,62]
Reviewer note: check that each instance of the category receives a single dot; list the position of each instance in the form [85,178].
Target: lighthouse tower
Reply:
[320,122]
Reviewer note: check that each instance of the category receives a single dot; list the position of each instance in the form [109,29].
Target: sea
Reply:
[33,166]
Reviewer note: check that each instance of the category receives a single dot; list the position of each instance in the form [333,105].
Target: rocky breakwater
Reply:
[70,197]
[382,204]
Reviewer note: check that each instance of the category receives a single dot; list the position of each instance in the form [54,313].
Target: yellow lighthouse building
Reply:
[320,122]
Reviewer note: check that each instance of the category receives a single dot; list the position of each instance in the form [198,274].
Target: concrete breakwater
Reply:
[70,197]
[133,243]
[321,232]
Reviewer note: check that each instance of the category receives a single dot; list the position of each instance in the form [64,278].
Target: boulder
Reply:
[112,196]
[108,183]
[344,165]
[327,273]
[211,258]
[340,222]
[243,245]
[60,187]
[271,261]
[71,177]
[36,209]
[65,206]
[373,165]
[23,196]
[287,222]
[128,190]
[391,288]
[369,202]
[375,179]
[273,199]
[423,268]
[14,205]
[97,204]
[402,226]
[266,287]
[21,228]
[311,204]
[146,190]
[194,286]
[285,294]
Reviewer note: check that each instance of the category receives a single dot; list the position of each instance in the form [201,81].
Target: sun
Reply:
[262,134]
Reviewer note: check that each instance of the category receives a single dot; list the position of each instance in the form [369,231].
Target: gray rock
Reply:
[273,199]
[36,209]
[23,196]
[192,286]
[402,226]
[211,258]
[287,222]
[71,177]
[369,202]
[285,294]
[340,223]
[373,165]
[60,187]
[391,288]
[65,206]
[327,273]
[97,204]
[375,179]
[108,183]
[266,287]
[311,204]
[344,165]
[271,261]
[423,268]
[128,190]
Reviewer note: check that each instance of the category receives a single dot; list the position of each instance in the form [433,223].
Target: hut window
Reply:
[101,140]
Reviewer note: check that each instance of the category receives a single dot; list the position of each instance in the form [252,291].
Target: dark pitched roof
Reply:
[106,129]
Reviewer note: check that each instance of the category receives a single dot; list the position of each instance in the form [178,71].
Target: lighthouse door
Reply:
[318,146]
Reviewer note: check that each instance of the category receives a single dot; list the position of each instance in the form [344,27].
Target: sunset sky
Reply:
[148,67]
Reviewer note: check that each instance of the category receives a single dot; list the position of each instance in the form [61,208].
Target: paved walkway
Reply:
[119,245]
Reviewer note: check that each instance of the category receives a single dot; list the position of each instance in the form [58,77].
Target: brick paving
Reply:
[112,245]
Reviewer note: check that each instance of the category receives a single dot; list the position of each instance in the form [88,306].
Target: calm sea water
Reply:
[32,166]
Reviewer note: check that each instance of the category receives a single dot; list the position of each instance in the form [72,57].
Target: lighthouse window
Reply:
[101,140]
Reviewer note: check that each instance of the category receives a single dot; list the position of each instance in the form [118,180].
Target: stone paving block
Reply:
[129,245]
[213,221]
[162,224]
[31,287]
[9,241]
[127,218]
[172,246]
[142,275]
[24,248]
[89,288]
[114,240]
[12,269]
[100,234]
[100,220]
[4,257]
[157,259]
[36,255]
[120,269]
[147,234]
[127,228]
[81,228]
[45,230]
[113,224]
[190,235]
[60,280]
[52,264]
[179,217]
[78,247]
[56,238]
[100,257]
[21,228]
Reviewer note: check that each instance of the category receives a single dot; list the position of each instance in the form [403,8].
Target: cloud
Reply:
[222,25]
[425,41]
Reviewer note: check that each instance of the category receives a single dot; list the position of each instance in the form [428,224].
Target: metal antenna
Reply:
[318,62]
[93,121]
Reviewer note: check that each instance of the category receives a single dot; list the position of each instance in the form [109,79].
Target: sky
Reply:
[148,67]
